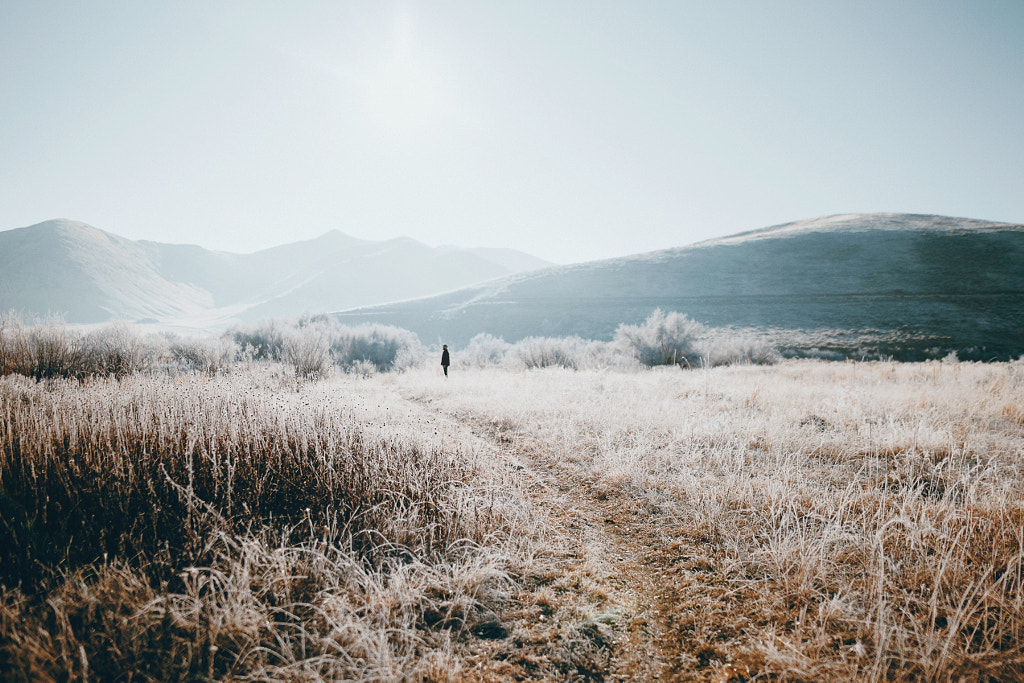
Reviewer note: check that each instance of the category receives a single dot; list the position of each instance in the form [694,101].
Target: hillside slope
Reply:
[905,285]
[87,275]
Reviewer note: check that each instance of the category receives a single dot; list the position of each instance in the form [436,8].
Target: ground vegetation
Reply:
[218,513]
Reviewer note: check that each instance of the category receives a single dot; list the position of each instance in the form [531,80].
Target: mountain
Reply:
[515,261]
[88,275]
[909,286]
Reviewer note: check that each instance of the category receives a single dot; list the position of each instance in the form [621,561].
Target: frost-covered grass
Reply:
[203,518]
[246,525]
[874,511]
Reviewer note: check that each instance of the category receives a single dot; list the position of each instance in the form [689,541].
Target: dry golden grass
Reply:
[808,521]
[245,526]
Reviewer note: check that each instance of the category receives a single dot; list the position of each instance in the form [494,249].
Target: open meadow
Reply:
[804,521]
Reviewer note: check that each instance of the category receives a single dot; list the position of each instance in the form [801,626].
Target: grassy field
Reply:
[807,521]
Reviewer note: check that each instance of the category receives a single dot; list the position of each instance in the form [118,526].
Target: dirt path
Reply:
[677,611]
[625,596]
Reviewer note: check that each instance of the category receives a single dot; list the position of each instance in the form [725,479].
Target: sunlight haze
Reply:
[569,130]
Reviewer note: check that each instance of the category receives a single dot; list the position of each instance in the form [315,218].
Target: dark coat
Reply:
[445,358]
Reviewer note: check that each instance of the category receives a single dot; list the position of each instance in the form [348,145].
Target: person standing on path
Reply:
[445,359]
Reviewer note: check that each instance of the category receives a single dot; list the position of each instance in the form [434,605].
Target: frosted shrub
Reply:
[6,344]
[546,352]
[599,355]
[313,344]
[385,346]
[747,351]
[484,350]
[208,356]
[411,356]
[263,342]
[818,354]
[118,351]
[48,349]
[309,351]
[316,319]
[362,368]
[42,350]
[662,339]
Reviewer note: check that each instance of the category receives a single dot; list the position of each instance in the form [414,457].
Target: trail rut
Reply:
[658,605]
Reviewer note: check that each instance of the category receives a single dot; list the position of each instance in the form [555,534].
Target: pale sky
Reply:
[572,130]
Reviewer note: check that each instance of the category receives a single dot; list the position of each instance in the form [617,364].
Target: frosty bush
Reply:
[314,344]
[599,355]
[362,368]
[210,355]
[41,350]
[546,352]
[117,350]
[309,352]
[385,346]
[48,349]
[263,342]
[662,339]
[484,350]
[748,351]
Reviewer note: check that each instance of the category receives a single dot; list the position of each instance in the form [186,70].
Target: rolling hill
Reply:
[901,285]
[88,275]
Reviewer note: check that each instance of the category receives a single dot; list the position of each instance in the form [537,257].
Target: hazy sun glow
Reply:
[403,97]
[573,130]
[403,92]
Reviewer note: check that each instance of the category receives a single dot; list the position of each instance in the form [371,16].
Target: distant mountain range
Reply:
[88,275]
[862,285]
